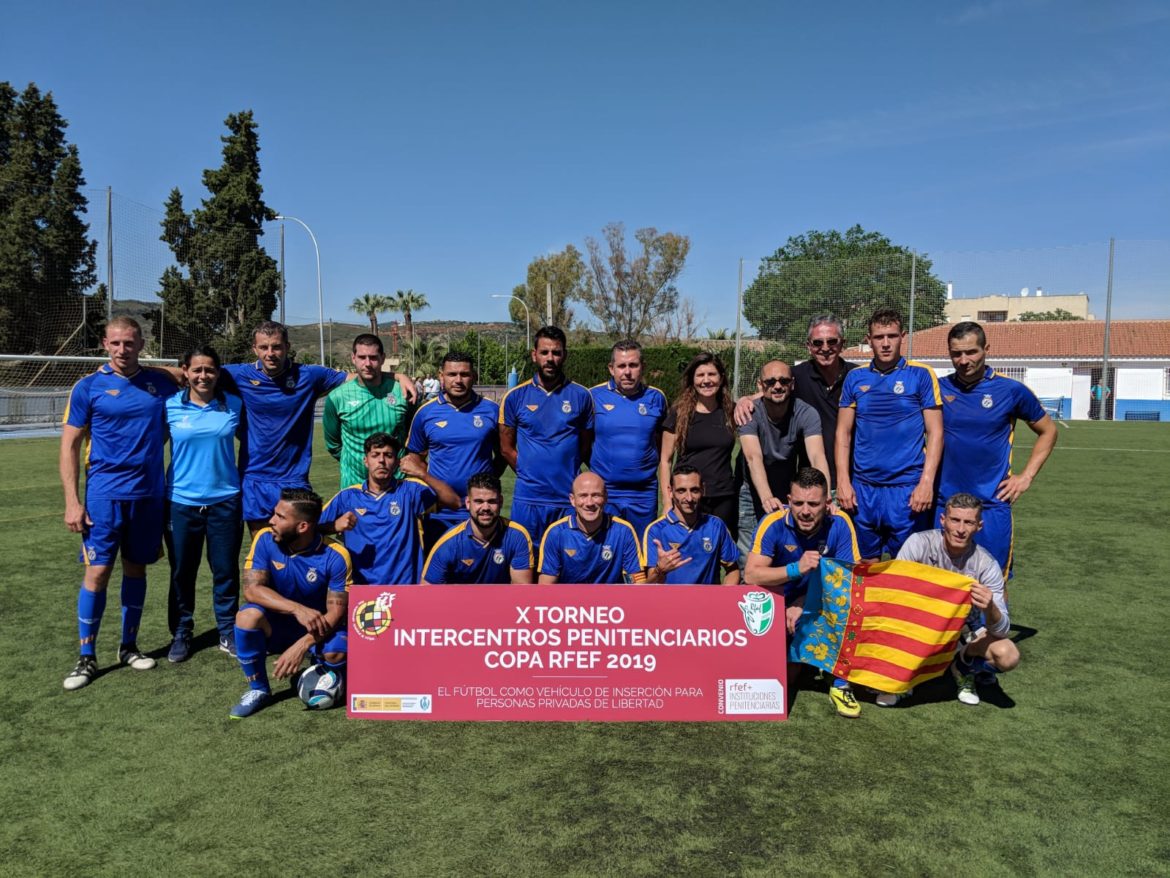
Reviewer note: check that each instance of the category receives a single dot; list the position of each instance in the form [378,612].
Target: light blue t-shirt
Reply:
[203,449]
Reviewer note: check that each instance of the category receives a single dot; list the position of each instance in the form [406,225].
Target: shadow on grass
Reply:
[1022,632]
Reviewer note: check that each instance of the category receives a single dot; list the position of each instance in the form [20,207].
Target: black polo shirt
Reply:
[811,388]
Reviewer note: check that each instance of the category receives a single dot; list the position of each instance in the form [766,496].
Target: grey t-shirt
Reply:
[781,443]
[927,547]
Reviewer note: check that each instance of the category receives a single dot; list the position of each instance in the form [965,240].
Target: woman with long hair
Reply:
[699,430]
[203,500]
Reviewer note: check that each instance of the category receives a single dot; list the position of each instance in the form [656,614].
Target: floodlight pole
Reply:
[527,315]
[320,301]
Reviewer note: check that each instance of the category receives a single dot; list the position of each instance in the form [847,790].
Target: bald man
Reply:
[590,546]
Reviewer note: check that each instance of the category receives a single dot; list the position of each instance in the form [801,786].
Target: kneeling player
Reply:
[295,584]
[788,547]
[485,549]
[590,546]
[701,546]
[987,648]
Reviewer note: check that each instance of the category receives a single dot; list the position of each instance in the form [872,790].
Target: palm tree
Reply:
[425,355]
[721,334]
[407,302]
[371,305]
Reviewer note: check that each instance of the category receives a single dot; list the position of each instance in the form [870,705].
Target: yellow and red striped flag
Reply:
[889,626]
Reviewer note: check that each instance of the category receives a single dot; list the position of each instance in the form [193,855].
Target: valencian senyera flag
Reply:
[889,626]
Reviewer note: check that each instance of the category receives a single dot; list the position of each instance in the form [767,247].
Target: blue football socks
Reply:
[251,646]
[90,606]
[133,598]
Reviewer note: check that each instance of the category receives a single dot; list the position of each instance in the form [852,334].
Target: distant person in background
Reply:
[431,386]
[589,546]
[699,430]
[120,408]
[546,433]
[203,501]
[889,442]
[373,403]
[980,410]
[627,428]
[455,436]
[687,546]
[486,548]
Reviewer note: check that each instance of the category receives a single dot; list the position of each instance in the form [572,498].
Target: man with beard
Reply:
[380,519]
[295,585]
[546,433]
[986,647]
[980,410]
[589,545]
[701,547]
[455,436]
[627,425]
[484,549]
[373,403]
[788,548]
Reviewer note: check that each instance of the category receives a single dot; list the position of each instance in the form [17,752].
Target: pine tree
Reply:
[226,282]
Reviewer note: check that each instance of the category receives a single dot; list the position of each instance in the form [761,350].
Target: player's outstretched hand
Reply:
[671,560]
[772,504]
[290,660]
[313,621]
[1012,487]
[345,522]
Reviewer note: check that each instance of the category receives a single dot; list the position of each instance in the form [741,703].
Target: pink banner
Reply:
[600,653]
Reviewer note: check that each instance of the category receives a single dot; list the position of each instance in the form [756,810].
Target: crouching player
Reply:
[295,588]
[701,548]
[485,549]
[986,648]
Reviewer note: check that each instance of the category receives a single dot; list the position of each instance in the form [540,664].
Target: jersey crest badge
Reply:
[91,553]
[312,574]
[152,389]
[290,382]
[708,546]
[113,392]
[532,408]
[641,408]
[571,552]
[477,421]
[987,403]
[566,407]
[607,553]
[440,423]
[279,565]
[899,387]
[498,556]
[395,509]
[607,406]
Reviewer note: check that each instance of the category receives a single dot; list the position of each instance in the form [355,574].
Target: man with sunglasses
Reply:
[780,426]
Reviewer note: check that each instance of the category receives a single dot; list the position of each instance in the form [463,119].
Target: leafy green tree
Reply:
[226,282]
[850,275]
[1056,314]
[565,271]
[46,255]
[629,295]
[371,305]
[406,302]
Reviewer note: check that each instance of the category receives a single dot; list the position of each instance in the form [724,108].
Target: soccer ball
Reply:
[320,687]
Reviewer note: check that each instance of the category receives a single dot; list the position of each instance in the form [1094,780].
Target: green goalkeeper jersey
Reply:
[354,412]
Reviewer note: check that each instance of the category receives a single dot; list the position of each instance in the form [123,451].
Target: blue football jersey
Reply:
[709,546]
[306,576]
[387,544]
[779,539]
[459,558]
[626,431]
[978,429]
[458,442]
[549,426]
[610,555]
[888,433]
[125,419]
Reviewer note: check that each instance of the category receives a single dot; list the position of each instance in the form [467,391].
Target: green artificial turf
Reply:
[1066,771]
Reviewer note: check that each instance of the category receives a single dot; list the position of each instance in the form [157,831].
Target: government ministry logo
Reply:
[371,618]
[758,608]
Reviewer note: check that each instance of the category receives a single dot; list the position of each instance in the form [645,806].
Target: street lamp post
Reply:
[320,301]
[527,315]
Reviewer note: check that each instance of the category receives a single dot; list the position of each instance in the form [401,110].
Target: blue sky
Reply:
[441,146]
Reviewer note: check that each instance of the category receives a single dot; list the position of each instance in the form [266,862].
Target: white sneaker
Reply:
[130,655]
[82,674]
[890,699]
